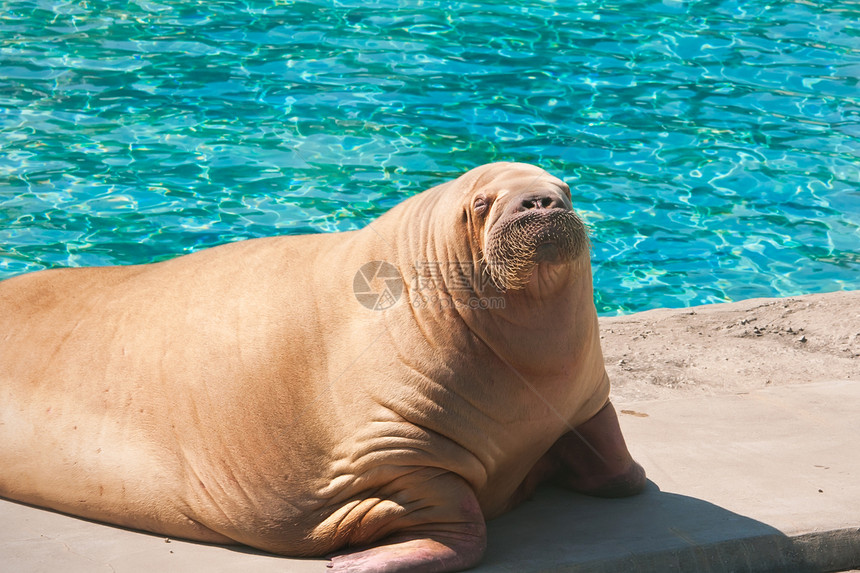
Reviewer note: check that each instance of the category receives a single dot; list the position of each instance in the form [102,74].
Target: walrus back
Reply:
[64,441]
[114,380]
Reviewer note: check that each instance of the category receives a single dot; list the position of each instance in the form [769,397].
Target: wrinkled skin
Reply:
[242,394]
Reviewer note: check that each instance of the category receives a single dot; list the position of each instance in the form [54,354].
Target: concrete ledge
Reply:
[762,481]
[660,532]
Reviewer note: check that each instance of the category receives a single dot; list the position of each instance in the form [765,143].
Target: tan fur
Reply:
[243,394]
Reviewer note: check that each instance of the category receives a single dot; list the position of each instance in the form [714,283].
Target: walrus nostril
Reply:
[539,202]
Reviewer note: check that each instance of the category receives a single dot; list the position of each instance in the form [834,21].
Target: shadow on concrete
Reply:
[653,532]
[556,531]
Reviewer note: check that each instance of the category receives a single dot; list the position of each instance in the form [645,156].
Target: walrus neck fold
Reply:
[557,299]
[439,261]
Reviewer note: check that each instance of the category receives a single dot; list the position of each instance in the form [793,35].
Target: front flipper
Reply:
[593,458]
[447,533]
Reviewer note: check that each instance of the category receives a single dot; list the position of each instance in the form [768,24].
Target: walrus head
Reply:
[522,218]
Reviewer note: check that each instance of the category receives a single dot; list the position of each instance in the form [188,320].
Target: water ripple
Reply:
[712,146]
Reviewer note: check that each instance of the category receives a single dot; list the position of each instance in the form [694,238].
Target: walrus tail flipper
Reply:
[418,555]
[593,459]
[450,536]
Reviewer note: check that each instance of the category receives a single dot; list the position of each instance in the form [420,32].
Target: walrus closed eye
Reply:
[516,244]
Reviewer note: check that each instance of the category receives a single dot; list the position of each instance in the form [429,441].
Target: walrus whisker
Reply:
[512,244]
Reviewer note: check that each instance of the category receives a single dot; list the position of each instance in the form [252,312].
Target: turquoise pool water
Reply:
[712,146]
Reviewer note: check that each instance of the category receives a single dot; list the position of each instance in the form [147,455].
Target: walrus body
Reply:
[244,394]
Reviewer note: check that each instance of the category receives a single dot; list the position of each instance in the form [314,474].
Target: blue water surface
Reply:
[712,146]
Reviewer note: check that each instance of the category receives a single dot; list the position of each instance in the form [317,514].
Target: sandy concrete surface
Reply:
[735,347]
[746,417]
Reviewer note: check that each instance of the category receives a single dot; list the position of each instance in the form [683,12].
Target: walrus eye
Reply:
[480,205]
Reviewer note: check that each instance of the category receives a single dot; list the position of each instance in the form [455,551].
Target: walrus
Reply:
[252,393]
